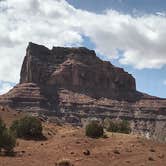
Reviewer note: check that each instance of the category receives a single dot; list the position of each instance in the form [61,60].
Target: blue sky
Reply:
[126,6]
[129,33]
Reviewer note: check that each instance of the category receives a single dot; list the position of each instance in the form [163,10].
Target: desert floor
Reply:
[67,142]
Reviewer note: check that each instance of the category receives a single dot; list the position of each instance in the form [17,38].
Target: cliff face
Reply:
[76,69]
[76,84]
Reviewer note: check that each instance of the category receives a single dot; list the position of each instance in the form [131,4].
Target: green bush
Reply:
[7,138]
[2,126]
[114,126]
[2,129]
[27,127]
[125,127]
[94,130]
[117,126]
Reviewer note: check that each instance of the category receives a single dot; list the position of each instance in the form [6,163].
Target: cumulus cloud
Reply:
[140,39]
[45,22]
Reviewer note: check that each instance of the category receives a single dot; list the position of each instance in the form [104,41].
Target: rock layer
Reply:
[25,97]
[75,84]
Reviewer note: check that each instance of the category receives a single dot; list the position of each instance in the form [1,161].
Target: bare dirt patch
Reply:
[70,143]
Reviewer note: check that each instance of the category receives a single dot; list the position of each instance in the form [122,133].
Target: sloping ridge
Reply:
[76,84]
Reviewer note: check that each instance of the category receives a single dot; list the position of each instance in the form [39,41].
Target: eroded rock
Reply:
[75,84]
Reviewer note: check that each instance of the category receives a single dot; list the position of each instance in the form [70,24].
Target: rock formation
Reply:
[75,84]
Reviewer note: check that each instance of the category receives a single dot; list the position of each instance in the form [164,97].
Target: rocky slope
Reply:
[75,84]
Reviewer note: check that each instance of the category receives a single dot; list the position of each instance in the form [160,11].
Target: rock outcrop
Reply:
[75,84]
[76,69]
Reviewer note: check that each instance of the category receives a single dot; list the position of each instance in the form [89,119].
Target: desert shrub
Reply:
[2,129]
[94,130]
[2,126]
[117,126]
[27,127]
[106,123]
[7,138]
[63,162]
[114,126]
[124,126]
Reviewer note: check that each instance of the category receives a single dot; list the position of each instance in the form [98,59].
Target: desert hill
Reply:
[75,85]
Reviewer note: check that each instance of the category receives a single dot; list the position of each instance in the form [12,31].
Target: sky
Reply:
[129,33]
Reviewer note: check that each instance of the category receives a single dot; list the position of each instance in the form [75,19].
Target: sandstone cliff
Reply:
[76,69]
[75,84]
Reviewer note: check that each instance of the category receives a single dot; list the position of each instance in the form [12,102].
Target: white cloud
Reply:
[45,22]
[55,22]
[142,39]
[5,87]
[161,14]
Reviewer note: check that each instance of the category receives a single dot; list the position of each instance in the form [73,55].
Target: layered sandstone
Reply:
[75,84]
[76,69]
[25,97]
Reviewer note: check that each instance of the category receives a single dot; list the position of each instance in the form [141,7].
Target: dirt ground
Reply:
[67,142]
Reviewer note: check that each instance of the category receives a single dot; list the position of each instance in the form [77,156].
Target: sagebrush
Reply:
[94,129]
[7,138]
[27,127]
[120,126]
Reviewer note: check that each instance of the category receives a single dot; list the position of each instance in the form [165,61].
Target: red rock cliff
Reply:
[77,69]
[75,84]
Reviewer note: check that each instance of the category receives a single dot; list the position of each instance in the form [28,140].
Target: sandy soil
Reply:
[67,142]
